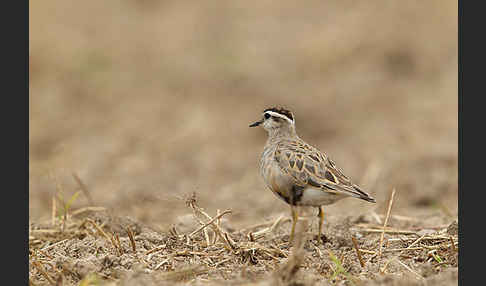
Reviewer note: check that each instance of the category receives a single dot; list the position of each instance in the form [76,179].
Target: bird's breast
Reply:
[278,182]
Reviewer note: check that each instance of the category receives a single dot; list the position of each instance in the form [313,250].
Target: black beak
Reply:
[256,123]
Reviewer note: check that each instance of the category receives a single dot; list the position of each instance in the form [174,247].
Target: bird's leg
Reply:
[295,217]
[321,221]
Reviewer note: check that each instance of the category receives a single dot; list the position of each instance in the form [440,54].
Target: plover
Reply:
[299,173]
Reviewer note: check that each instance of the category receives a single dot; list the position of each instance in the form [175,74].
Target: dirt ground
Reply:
[143,170]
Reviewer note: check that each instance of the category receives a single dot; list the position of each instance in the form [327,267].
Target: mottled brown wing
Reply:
[308,166]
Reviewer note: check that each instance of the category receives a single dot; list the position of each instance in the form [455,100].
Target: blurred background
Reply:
[149,101]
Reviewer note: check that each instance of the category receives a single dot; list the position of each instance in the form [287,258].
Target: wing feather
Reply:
[308,166]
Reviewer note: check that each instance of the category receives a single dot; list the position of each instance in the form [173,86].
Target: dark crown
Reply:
[282,111]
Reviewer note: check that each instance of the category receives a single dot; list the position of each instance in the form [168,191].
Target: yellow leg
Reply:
[295,217]
[321,221]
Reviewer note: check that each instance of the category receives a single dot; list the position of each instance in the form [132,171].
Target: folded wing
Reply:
[308,166]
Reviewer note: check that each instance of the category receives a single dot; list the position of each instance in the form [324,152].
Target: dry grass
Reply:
[136,104]
[89,246]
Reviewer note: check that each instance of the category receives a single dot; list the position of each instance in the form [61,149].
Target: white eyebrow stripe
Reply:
[272,113]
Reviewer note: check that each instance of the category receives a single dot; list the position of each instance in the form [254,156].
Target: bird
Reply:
[297,172]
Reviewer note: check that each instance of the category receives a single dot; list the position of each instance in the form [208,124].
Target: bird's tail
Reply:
[360,194]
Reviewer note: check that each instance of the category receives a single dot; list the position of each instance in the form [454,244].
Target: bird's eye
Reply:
[266,115]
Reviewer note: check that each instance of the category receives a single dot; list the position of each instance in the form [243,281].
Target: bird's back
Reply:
[311,168]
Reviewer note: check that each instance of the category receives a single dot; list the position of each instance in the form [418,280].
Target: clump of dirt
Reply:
[453,228]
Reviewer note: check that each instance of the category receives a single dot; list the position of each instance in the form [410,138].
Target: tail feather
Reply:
[362,195]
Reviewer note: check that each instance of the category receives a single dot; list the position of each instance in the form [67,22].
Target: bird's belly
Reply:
[317,197]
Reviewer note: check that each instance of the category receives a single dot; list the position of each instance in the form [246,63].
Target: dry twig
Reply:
[411,270]
[83,188]
[216,228]
[355,243]
[210,222]
[42,271]
[132,240]
[390,203]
